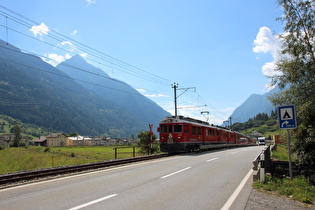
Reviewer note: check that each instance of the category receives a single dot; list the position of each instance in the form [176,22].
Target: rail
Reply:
[30,175]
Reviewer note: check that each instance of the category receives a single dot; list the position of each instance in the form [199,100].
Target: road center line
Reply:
[230,201]
[93,202]
[176,172]
[212,159]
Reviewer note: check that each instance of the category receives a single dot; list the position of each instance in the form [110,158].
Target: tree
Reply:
[296,66]
[17,136]
[145,142]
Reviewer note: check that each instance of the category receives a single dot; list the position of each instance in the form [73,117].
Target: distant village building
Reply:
[42,141]
[56,140]
[61,139]
[79,141]
[100,141]
[7,139]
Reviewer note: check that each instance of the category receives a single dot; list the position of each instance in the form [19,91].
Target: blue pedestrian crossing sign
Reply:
[287,117]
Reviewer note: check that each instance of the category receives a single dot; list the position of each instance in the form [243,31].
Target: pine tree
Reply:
[17,136]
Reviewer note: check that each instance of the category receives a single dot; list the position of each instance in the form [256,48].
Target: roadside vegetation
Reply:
[295,77]
[15,159]
[298,188]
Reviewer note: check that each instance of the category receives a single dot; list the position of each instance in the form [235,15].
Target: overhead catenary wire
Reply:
[56,39]
[66,76]
[91,51]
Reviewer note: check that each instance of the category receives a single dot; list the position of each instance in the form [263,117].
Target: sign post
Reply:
[287,120]
[151,134]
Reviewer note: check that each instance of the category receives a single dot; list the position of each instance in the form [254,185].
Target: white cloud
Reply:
[66,43]
[268,69]
[69,46]
[67,56]
[40,30]
[54,59]
[141,90]
[90,2]
[84,55]
[74,32]
[156,95]
[270,86]
[266,42]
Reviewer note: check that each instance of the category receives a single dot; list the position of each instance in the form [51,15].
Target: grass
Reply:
[31,158]
[298,188]
[280,152]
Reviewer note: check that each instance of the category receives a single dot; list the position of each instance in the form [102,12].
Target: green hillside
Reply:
[35,92]
[260,125]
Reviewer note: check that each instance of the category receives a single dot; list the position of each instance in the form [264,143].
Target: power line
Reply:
[97,56]
[66,76]
[123,66]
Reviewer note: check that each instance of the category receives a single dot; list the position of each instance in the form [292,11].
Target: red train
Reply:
[183,134]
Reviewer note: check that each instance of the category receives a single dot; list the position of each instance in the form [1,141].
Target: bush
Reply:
[47,149]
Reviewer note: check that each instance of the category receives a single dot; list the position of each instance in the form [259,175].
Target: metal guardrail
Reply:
[262,164]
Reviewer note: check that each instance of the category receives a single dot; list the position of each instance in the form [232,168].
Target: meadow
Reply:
[15,159]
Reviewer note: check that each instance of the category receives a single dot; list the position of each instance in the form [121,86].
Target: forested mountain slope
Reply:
[119,92]
[35,92]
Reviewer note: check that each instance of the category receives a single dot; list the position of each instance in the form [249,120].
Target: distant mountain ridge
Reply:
[254,105]
[35,92]
[116,91]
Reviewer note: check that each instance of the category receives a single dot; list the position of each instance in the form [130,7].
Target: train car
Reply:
[183,134]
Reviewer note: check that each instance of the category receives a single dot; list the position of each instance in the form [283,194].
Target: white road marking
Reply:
[176,172]
[115,168]
[93,202]
[233,153]
[230,201]
[212,159]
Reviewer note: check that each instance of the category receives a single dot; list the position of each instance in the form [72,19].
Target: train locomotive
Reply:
[184,134]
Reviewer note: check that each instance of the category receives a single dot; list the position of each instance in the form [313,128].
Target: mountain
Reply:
[254,105]
[35,92]
[116,91]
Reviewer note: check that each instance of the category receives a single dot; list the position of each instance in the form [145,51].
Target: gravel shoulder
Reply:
[266,200]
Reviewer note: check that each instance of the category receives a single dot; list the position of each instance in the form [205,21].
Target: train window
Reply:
[178,128]
[185,128]
[199,130]
[170,130]
[194,130]
[163,128]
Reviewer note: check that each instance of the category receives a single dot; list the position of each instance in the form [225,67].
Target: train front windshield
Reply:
[171,128]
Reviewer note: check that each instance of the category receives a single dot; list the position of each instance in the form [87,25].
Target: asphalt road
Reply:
[190,181]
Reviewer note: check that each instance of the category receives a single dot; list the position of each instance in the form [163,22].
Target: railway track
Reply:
[32,175]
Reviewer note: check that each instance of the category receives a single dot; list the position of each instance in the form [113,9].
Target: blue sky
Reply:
[224,49]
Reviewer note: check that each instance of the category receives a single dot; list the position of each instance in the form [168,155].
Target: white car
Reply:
[261,142]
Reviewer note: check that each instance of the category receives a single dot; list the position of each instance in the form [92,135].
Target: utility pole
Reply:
[175,86]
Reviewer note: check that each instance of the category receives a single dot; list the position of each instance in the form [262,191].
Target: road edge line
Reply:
[231,200]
